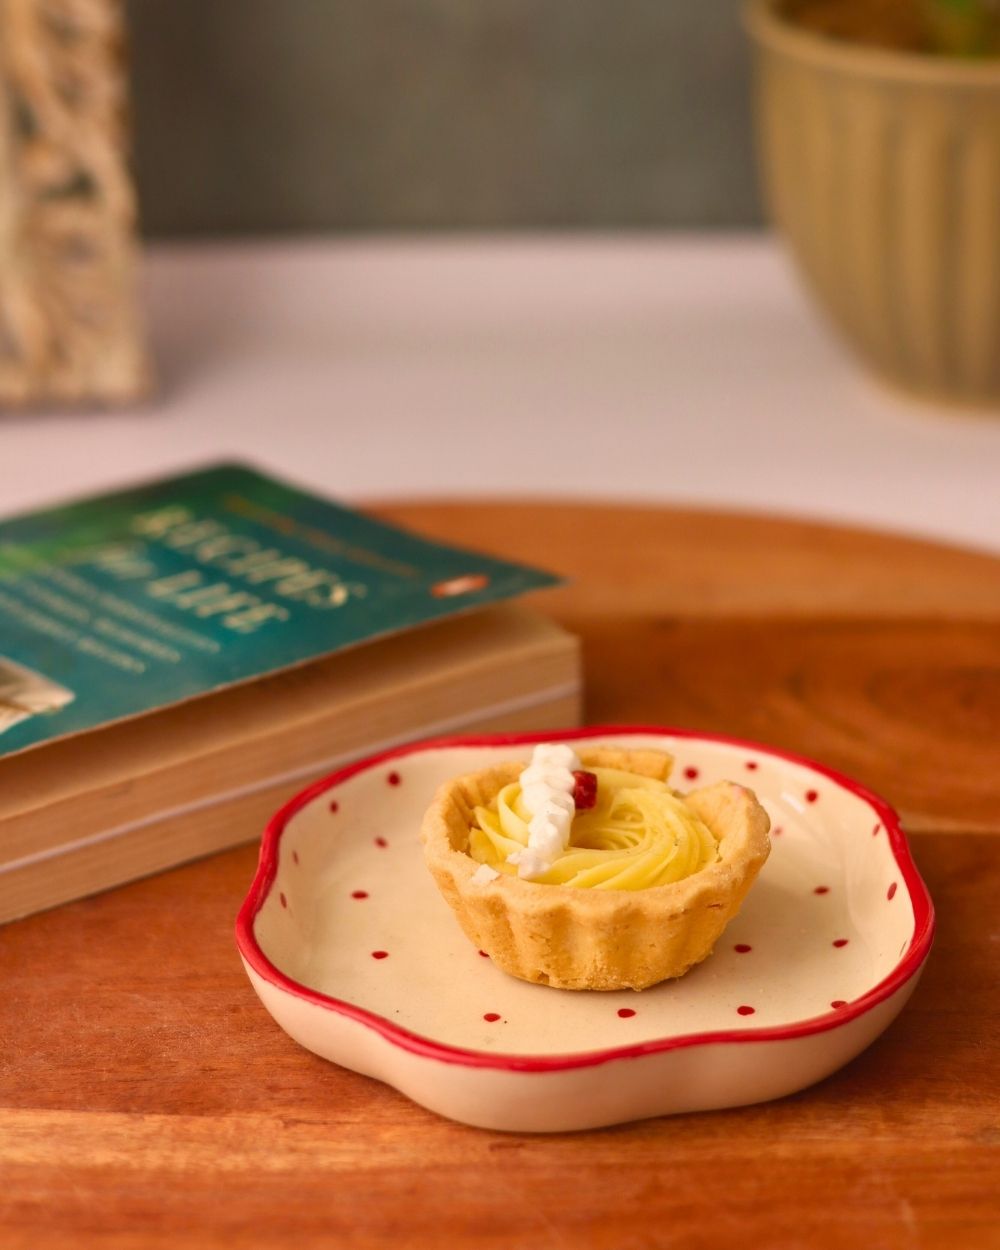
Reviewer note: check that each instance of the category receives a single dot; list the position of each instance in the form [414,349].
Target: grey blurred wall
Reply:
[257,116]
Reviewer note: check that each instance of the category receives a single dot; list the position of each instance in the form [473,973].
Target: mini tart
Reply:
[583,939]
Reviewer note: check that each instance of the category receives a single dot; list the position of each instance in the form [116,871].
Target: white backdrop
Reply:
[686,370]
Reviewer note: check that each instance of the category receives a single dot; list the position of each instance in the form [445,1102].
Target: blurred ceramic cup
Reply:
[882,168]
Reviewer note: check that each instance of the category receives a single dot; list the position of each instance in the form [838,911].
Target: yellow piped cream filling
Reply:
[638,834]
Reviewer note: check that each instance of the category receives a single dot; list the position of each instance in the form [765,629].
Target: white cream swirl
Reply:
[547,786]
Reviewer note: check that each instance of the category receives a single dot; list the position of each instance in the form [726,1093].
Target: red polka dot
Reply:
[838,942]
[745,1010]
[812,796]
[891,892]
[484,954]
[380,841]
[875,831]
[492,1017]
[822,889]
[776,830]
[295,857]
[394,779]
[690,773]
[839,1002]
[752,765]
[334,806]
[359,894]
[741,948]
[380,954]
[626,1013]
[282,900]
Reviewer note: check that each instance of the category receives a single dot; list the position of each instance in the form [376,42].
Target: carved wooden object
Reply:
[69,329]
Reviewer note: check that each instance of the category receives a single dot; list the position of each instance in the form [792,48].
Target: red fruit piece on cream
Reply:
[584,790]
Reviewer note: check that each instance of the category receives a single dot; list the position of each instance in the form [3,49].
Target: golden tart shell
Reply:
[583,939]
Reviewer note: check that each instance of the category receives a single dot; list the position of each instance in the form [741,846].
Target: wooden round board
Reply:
[875,654]
[147,1100]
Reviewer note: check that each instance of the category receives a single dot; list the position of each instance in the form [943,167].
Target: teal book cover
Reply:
[120,604]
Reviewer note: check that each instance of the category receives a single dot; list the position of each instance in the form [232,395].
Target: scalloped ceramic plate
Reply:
[358,958]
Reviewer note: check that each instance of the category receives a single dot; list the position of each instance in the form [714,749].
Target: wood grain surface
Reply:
[147,1099]
[876,654]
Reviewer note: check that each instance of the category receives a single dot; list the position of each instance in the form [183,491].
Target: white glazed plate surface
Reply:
[356,955]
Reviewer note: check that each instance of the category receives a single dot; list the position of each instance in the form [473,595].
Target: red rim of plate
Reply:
[909,964]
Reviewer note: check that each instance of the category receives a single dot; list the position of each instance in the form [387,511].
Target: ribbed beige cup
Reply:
[883,170]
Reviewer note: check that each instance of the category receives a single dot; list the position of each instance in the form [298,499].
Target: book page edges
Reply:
[336,705]
[183,834]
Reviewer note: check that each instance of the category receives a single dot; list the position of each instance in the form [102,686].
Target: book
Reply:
[178,659]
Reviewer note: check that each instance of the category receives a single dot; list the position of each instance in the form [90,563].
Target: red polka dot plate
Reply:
[355,954]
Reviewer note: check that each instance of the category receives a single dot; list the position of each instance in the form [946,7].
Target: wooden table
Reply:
[147,1099]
